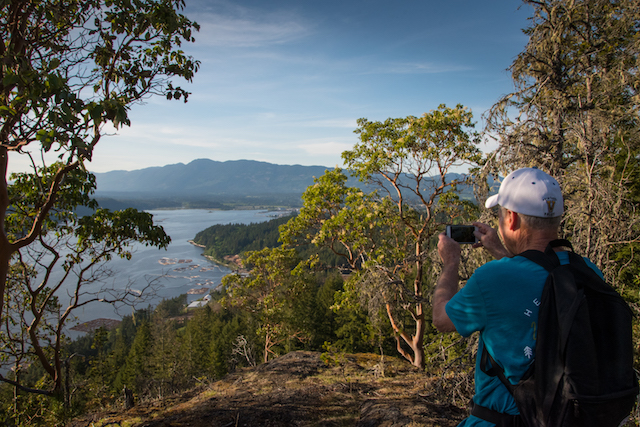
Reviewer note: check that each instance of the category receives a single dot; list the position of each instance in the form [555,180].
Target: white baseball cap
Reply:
[529,191]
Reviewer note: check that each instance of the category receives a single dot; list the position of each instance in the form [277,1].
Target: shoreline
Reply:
[233,266]
[225,263]
[264,208]
[196,244]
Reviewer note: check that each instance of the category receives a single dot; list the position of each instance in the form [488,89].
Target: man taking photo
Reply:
[501,298]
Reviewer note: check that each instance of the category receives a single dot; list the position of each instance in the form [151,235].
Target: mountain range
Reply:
[209,177]
[205,183]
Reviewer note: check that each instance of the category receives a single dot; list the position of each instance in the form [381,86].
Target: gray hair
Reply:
[539,223]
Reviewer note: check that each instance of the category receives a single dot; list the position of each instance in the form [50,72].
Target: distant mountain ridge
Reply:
[209,177]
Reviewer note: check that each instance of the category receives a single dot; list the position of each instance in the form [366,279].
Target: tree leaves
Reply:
[62,49]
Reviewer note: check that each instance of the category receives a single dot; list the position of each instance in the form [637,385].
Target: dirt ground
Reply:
[299,389]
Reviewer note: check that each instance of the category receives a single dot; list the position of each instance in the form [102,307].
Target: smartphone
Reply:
[462,233]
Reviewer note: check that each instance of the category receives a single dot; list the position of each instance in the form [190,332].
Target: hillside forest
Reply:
[352,272]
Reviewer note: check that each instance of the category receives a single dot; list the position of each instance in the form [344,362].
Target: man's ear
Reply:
[512,220]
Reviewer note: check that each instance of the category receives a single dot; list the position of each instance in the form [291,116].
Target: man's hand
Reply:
[488,238]
[449,251]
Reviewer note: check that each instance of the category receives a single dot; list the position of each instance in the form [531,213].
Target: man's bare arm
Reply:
[445,290]
[447,285]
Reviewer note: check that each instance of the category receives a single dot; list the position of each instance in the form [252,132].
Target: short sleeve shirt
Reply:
[501,301]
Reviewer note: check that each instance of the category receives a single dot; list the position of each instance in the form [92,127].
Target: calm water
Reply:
[173,278]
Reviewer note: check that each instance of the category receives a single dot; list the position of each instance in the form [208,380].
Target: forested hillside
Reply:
[221,240]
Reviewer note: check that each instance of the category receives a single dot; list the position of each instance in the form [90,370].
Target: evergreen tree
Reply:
[323,318]
[136,372]
[196,338]
[166,367]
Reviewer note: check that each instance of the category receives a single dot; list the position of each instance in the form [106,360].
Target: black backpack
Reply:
[583,372]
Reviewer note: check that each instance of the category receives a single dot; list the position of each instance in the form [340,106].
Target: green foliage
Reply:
[28,193]
[166,362]
[236,239]
[361,323]
[172,307]
[208,342]
[224,359]
[322,318]
[136,372]
[342,220]
[271,292]
[122,51]
[438,140]
[34,410]
[115,230]
[453,210]
[354,332]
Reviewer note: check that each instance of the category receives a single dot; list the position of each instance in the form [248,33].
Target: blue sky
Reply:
[284,81]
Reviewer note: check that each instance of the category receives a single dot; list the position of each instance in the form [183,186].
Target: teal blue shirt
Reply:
[501,300]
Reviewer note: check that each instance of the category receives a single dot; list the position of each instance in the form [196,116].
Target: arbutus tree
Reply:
[68,69]
[385,235]
[409,160]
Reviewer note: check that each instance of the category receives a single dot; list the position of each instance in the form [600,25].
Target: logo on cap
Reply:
[551,204]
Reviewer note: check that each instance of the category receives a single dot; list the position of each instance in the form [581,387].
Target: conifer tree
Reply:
[137,370]
[166,365]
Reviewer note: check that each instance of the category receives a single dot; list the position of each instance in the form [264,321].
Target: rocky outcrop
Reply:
[301,389]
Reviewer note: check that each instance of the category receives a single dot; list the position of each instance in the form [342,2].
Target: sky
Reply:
[284,81]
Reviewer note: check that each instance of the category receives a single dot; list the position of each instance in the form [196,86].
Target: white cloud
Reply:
[252,29]
[325,148]
[158,135]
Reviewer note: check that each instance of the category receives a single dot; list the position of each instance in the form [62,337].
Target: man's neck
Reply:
[537,241]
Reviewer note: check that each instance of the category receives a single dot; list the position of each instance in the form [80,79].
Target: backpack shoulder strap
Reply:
[490,367]
[547,259]
[564,296]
